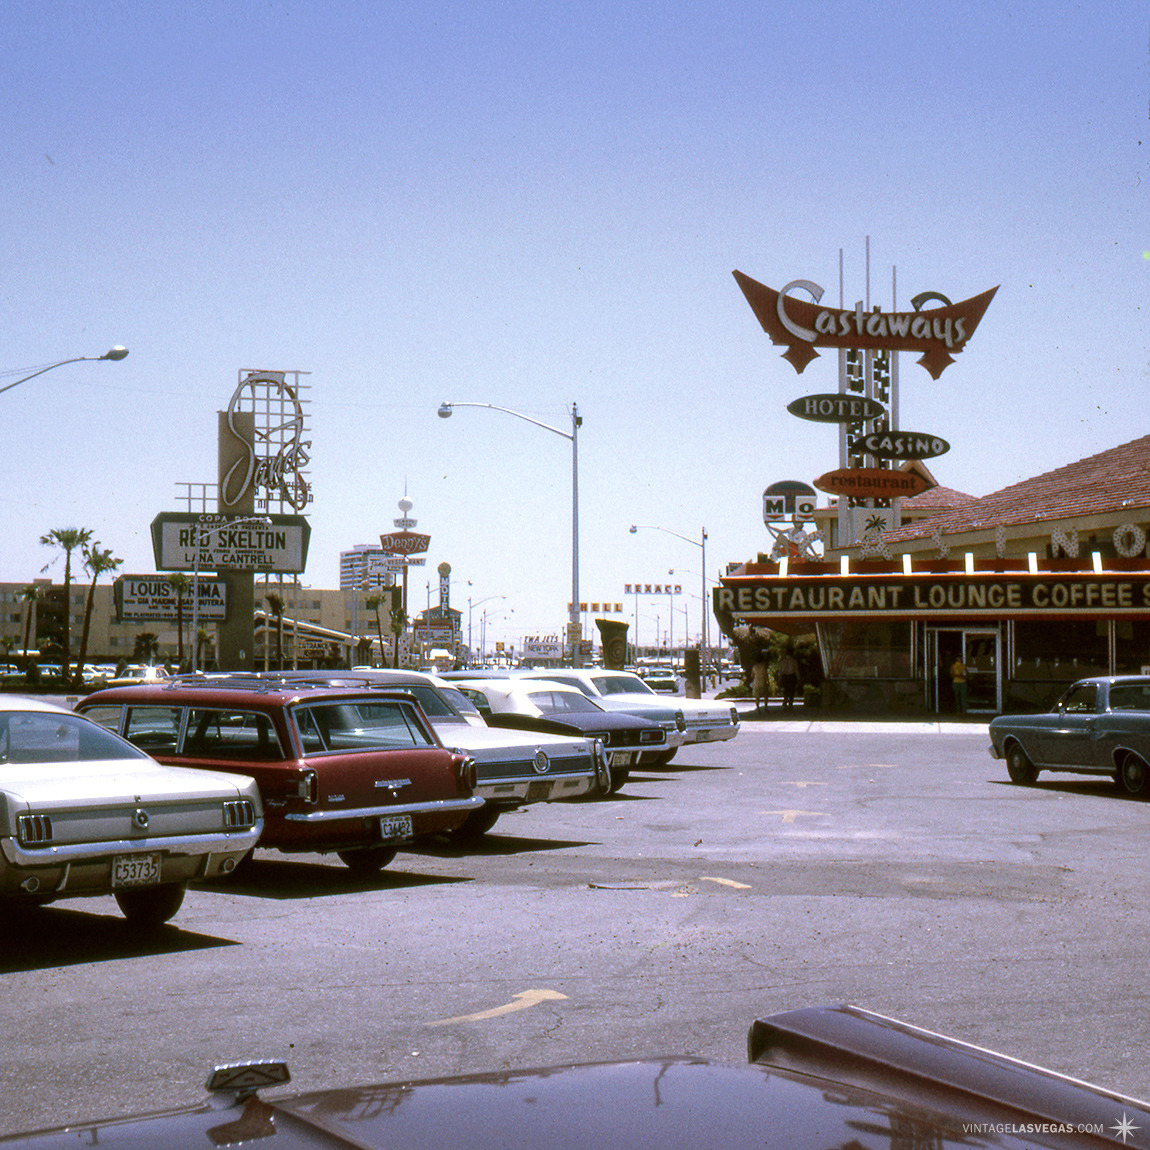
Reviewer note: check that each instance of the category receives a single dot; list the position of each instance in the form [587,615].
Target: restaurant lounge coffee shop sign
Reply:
[927,596]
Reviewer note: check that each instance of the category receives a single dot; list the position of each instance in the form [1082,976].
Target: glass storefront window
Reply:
[1131,646]
[1047,650]
[865,649]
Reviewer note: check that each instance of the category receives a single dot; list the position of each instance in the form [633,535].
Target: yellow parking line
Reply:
[522,1000]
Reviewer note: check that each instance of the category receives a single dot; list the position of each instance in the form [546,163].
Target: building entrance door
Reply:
[979,648]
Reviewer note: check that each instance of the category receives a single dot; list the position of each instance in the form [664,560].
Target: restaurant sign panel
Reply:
[873,483]
[934,596]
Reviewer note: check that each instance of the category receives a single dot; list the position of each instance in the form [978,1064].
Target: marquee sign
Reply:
[929,596]
[278,547]
[148,597]
[836,408]
[939,334]
[873,483]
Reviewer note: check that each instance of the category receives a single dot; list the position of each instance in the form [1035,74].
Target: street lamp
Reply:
[116,353]
[212,523]
[574,625]
[469,607]
[701,542]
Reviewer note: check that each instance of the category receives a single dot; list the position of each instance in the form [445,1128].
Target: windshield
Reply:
[45,737]
[441,702]
[621,685]
[359,725]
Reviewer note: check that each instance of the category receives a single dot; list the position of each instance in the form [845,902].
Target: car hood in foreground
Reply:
[822,1078]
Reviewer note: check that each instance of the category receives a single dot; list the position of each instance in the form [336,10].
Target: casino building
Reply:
[1033,587]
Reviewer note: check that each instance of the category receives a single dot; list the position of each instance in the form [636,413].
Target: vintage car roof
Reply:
[257,692]
[27,703]
[832,1076]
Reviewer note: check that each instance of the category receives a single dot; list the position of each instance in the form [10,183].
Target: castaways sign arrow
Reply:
[938,333]
[873,483]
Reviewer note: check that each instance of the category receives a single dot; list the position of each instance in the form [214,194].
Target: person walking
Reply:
[788,678]
[958,681]
[759,682]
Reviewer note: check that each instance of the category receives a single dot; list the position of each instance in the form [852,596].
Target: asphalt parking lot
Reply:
[807,862]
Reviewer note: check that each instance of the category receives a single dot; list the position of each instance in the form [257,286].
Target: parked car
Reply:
[814,1078]
[513,768]
[1099,726]
[542,705]
[354,771]
[661,679]
[82,813]
[703,722]
[137,673]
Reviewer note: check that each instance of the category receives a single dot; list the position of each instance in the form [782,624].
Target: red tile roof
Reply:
[1109,481]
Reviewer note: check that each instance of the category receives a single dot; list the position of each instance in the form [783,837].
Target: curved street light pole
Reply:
[116,353]
[701,542]
[574,624]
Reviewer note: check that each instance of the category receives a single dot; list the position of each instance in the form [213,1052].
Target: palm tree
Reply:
[179,582]
[147,647]
[276,603]
[67,539]
[98,562]
[372,603]
[30,594]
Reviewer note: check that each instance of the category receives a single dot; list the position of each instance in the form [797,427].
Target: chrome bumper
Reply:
[436,806]
[234,842]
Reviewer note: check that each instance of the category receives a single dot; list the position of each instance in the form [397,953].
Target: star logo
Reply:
[1124,1129]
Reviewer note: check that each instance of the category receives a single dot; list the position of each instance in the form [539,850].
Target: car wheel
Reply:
[367,862]
[1019,767]
[1133,776]
[152,905]
[478,823]
[666,757]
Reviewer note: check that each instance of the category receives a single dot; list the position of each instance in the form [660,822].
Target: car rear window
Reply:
[44,737]
[360,725]
[1130,697]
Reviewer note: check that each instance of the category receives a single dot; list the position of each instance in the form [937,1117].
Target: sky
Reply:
[534,205]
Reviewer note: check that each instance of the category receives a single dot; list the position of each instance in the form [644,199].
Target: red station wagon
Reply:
[356,772]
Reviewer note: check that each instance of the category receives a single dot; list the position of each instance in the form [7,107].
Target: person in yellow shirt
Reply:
[958,680]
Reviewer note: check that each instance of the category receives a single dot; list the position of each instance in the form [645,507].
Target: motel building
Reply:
[1032,587]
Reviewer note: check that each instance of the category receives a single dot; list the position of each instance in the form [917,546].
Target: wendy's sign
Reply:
[938,333]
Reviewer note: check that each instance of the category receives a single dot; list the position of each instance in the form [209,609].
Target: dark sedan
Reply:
[539,705]
[818,1078]
[1100,726]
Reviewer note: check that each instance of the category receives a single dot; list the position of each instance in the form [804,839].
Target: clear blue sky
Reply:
[534,204]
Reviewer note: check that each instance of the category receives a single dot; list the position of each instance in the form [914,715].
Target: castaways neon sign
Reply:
[938,333]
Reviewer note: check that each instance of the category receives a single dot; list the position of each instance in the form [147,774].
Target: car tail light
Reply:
[239,814]
[34,830]
[680,722]
[466,772]
[651,737]
[309,787]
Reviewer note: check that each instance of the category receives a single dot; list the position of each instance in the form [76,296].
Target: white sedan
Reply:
[83,813]
[703,721]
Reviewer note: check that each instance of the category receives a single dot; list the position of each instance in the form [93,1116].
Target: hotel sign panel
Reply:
[821,597]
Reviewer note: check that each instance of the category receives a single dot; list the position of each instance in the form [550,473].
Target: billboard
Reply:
[278,546]
[152,597]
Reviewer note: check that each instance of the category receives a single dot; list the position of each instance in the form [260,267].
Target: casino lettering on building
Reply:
[1034,586]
